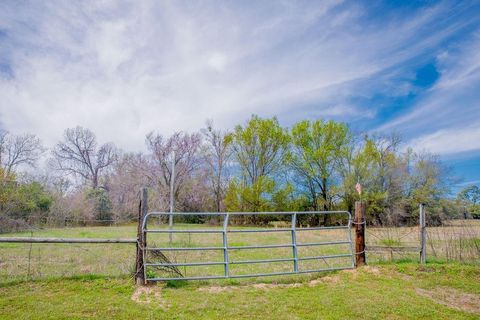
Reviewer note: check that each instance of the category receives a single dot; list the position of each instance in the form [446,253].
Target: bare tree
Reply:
[80,155]
[17,150]
[185,146]
[125,181]
[216,152]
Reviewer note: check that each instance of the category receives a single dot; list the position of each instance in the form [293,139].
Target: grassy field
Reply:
[42,281]
[400,291]
[43,260]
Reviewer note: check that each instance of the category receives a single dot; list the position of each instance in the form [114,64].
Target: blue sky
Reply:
[124,68]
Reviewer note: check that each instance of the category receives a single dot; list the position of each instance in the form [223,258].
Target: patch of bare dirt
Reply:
[372,270]
[368,269]
[261,286]
[149,294]
[326,279]
[268,286]
[453,298]
[218,289]
[352,272]
[405,277]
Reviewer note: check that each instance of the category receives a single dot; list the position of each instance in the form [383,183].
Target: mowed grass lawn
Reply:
[390,291]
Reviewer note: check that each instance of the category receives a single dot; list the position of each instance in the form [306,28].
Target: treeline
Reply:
[257,166]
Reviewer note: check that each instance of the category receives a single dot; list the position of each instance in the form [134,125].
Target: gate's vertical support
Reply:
[360,233]
[225,245]
[141,239]
[294,242]
[350,239]
[423,238]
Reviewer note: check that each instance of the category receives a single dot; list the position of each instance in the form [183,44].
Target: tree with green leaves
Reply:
[259,149]
[360,164]
[101,204]
[374,162]
[316,152]
[471,197]
[19,200]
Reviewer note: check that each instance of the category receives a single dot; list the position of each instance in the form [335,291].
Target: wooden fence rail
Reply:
[63,240]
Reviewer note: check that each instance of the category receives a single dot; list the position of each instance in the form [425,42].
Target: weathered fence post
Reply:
[141,241]
[359,222]
[423,235]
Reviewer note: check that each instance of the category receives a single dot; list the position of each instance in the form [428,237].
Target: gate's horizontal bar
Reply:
[261,274]
[184,231]
[326,257]
[260,230]
[187,278]
[250,275]
[262,246]
[243,213]
[325,269]
[191,264]
[322,228]
[262,261]
[243,230]
[286,273]
[63,240]
[184,248]
[311,244]
[244,261]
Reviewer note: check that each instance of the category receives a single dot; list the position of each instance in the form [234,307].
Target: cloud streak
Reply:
[123,69]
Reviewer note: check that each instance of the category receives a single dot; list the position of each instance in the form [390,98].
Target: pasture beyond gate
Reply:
[222,250]
[226,245]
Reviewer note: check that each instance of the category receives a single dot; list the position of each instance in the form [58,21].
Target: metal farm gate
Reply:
[152,253]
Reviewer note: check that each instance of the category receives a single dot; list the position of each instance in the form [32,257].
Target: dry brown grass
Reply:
[456,240]
[453,298]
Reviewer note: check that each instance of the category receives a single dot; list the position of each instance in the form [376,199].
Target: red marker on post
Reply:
[358,188]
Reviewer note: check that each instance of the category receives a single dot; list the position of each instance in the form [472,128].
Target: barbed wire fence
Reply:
[453,240]
[35,260]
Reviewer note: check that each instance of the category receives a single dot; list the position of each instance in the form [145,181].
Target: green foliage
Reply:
[315,155]
[471,198]
[259,150]
[255,197]
[176,284]
[19,200]
[101,202]
[151,273]
[315,165]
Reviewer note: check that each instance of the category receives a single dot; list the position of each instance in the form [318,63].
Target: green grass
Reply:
[94,281]
[388,291]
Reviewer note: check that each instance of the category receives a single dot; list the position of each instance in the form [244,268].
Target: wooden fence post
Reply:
[423,235]
[141,241]
[359,222]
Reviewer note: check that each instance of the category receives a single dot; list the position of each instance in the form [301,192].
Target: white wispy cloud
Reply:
[126,68]
[448,141]
[447,119]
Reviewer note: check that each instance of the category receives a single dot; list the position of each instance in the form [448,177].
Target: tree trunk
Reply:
[326,217]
